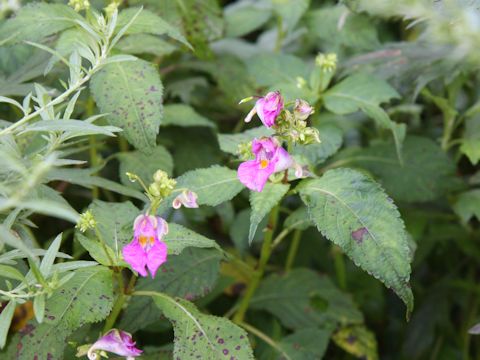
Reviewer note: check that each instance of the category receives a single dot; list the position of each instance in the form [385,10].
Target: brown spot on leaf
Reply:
[358,234]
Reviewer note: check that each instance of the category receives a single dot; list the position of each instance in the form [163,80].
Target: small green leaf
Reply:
[5,320]
[131,92]
[274,69]
[39,307]
[242,18]
[262,202]
[306,344]
[354,212]
[358,341]
[179,238]
[50,255]
[202,336]
[467,205]
[184,115]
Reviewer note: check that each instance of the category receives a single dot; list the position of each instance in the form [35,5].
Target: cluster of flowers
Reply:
[147,251]
[269,155]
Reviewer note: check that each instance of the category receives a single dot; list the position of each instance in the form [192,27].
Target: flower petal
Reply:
[282,160]
[134,254]
[252,176]
[156,256]
[117,342]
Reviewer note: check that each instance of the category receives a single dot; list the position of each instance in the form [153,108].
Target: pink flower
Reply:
[267,108]
[117,342]
[187,198]
[270,158]
[302,109]
[146,248]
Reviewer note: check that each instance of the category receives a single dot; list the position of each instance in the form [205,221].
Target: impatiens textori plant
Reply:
[296,223]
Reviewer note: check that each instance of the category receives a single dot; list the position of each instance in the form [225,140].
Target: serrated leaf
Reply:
[86,298]
[144,165]
[199,335]
[145,44]
[467,205]
[358,341]
[149,23]
[184,115]
[331,138]
[179,238]
[354,212]
[189,275]
[229,142]
[36,21]
[243,18]
[293,298]
[131,92]
[365,92]
[306,344]
[336,26]
[290,11]
[427,172]
[5,320]
[262,202]
[274,69]
[213,185]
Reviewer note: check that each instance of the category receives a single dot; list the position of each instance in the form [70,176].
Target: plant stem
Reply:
[280,34]
[117,307]
[292,252]
[257,276]
[340,267]
[265,338]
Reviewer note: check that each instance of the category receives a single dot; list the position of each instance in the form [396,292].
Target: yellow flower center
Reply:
[263,164]
[144,240]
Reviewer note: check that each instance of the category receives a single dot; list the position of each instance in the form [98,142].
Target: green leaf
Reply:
[148,22]
[290,11]
[144,165]
[274,69]
[145,44]
[184,115]
[86,298]
[306,344]
[336,26]
[10,272]
[71,128]
[471,139]
[115,222]
[302,298]
[354,212]
[105,256]
[425,174]
[229,142]
[262,202]
[39,307]
[5,320]
[50,256]
[331,138]
[36,21]
[243,18]
[213,185]
[189,275]
[358,341]
[179,238]
[299,219]
[365,92]
[131,92]
[467,205]
[202,336]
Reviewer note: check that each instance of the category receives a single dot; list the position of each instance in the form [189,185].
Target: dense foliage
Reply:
[271,179]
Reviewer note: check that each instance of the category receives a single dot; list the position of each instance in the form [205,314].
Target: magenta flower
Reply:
[267,108]
[302,109]
[187,198]
[147,248]
[270,158]
[117,342]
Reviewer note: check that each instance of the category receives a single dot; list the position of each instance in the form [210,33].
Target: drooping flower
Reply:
[267,108]
[270,158]
[115,341]
[187,198]
[147,250]
[302,109]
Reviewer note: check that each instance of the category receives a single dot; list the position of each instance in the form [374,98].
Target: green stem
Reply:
[117,308]
[280,35]
[122,144]
[104,245]
[447,131]
[94,162]
[292,252]
[340,267]
[257,276]
[268,340]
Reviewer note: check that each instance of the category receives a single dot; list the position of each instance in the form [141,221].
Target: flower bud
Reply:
[302,109]
[86,221]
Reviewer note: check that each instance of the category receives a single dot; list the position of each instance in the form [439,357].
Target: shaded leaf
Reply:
[179,238]
[229,142]
[358,341]
[184,115]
